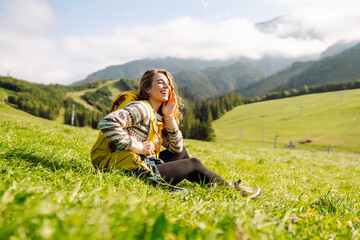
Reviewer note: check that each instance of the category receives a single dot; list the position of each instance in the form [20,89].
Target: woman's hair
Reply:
[145,83]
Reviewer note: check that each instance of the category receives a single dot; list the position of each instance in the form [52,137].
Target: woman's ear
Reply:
[148,93]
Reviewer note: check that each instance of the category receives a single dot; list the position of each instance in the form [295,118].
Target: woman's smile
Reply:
[165,92]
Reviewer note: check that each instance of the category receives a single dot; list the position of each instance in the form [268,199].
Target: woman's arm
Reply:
[114,124]
[174,139]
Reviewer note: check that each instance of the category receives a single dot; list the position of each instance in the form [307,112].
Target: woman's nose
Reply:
[167,85]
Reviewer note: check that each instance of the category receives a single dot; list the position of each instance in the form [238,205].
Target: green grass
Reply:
[76,96]
[325,120]
[4,93]
[113,88]
[49,191]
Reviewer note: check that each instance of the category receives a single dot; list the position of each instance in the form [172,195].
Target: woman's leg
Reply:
[191,169]
[176,168]
[168,156]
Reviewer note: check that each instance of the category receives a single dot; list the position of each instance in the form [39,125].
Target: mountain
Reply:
[272,65]
[205,79]
[208,79]
[212,82]
[272,83]
[135,69]
[338,68]
[342,67]
[338,47]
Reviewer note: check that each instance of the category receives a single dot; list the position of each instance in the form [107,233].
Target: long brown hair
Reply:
[145,83]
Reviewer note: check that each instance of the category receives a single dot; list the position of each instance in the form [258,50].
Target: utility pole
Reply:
[341,97]
[301,109]
[72,115]
[240,130]
[262,128]
[275,139]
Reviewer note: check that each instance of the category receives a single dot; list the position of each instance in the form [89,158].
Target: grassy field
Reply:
[77,95]
[4,93]
[331,118]
[49,191]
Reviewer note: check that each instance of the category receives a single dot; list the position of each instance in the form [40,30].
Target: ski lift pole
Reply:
[72,115]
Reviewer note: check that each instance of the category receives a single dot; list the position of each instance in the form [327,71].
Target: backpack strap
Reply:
[155,129]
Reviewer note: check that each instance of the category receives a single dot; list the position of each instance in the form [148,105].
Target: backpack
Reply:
[102,157]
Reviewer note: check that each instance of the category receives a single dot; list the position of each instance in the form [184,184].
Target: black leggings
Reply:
[178,167]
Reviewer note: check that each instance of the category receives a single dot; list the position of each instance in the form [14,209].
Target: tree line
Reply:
[83,117]
[46,101]
[199,114]
[286,92]
[37,99]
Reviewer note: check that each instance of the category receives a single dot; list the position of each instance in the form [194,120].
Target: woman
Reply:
[127,129]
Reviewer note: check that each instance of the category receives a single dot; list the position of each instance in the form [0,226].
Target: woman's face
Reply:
[160,88]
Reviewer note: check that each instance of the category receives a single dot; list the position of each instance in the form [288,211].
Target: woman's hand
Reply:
[169,106]
[143,148]
[148,148]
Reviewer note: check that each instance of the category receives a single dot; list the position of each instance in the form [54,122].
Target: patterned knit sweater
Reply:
[130,126]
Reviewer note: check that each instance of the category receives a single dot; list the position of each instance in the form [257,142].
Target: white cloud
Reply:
[186,37]
[25,45]
[27,17]
[334,19]
[30,50]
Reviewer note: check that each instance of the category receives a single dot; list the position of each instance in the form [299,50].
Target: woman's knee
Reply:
[196,163]
[168,156]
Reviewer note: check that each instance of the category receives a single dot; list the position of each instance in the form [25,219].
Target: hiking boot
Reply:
[250,192]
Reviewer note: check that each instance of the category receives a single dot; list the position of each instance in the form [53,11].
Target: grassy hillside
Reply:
[55,101]
[77,95]
[49,191]
[325,120]
[92,100]
[4,93]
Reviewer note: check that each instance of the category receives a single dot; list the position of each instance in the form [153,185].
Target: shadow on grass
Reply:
[36,156]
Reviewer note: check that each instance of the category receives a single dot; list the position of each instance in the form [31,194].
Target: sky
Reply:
[63,41]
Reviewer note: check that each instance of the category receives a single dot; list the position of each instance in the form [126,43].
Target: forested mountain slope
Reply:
[212,82]
[341,67]
[135,69]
